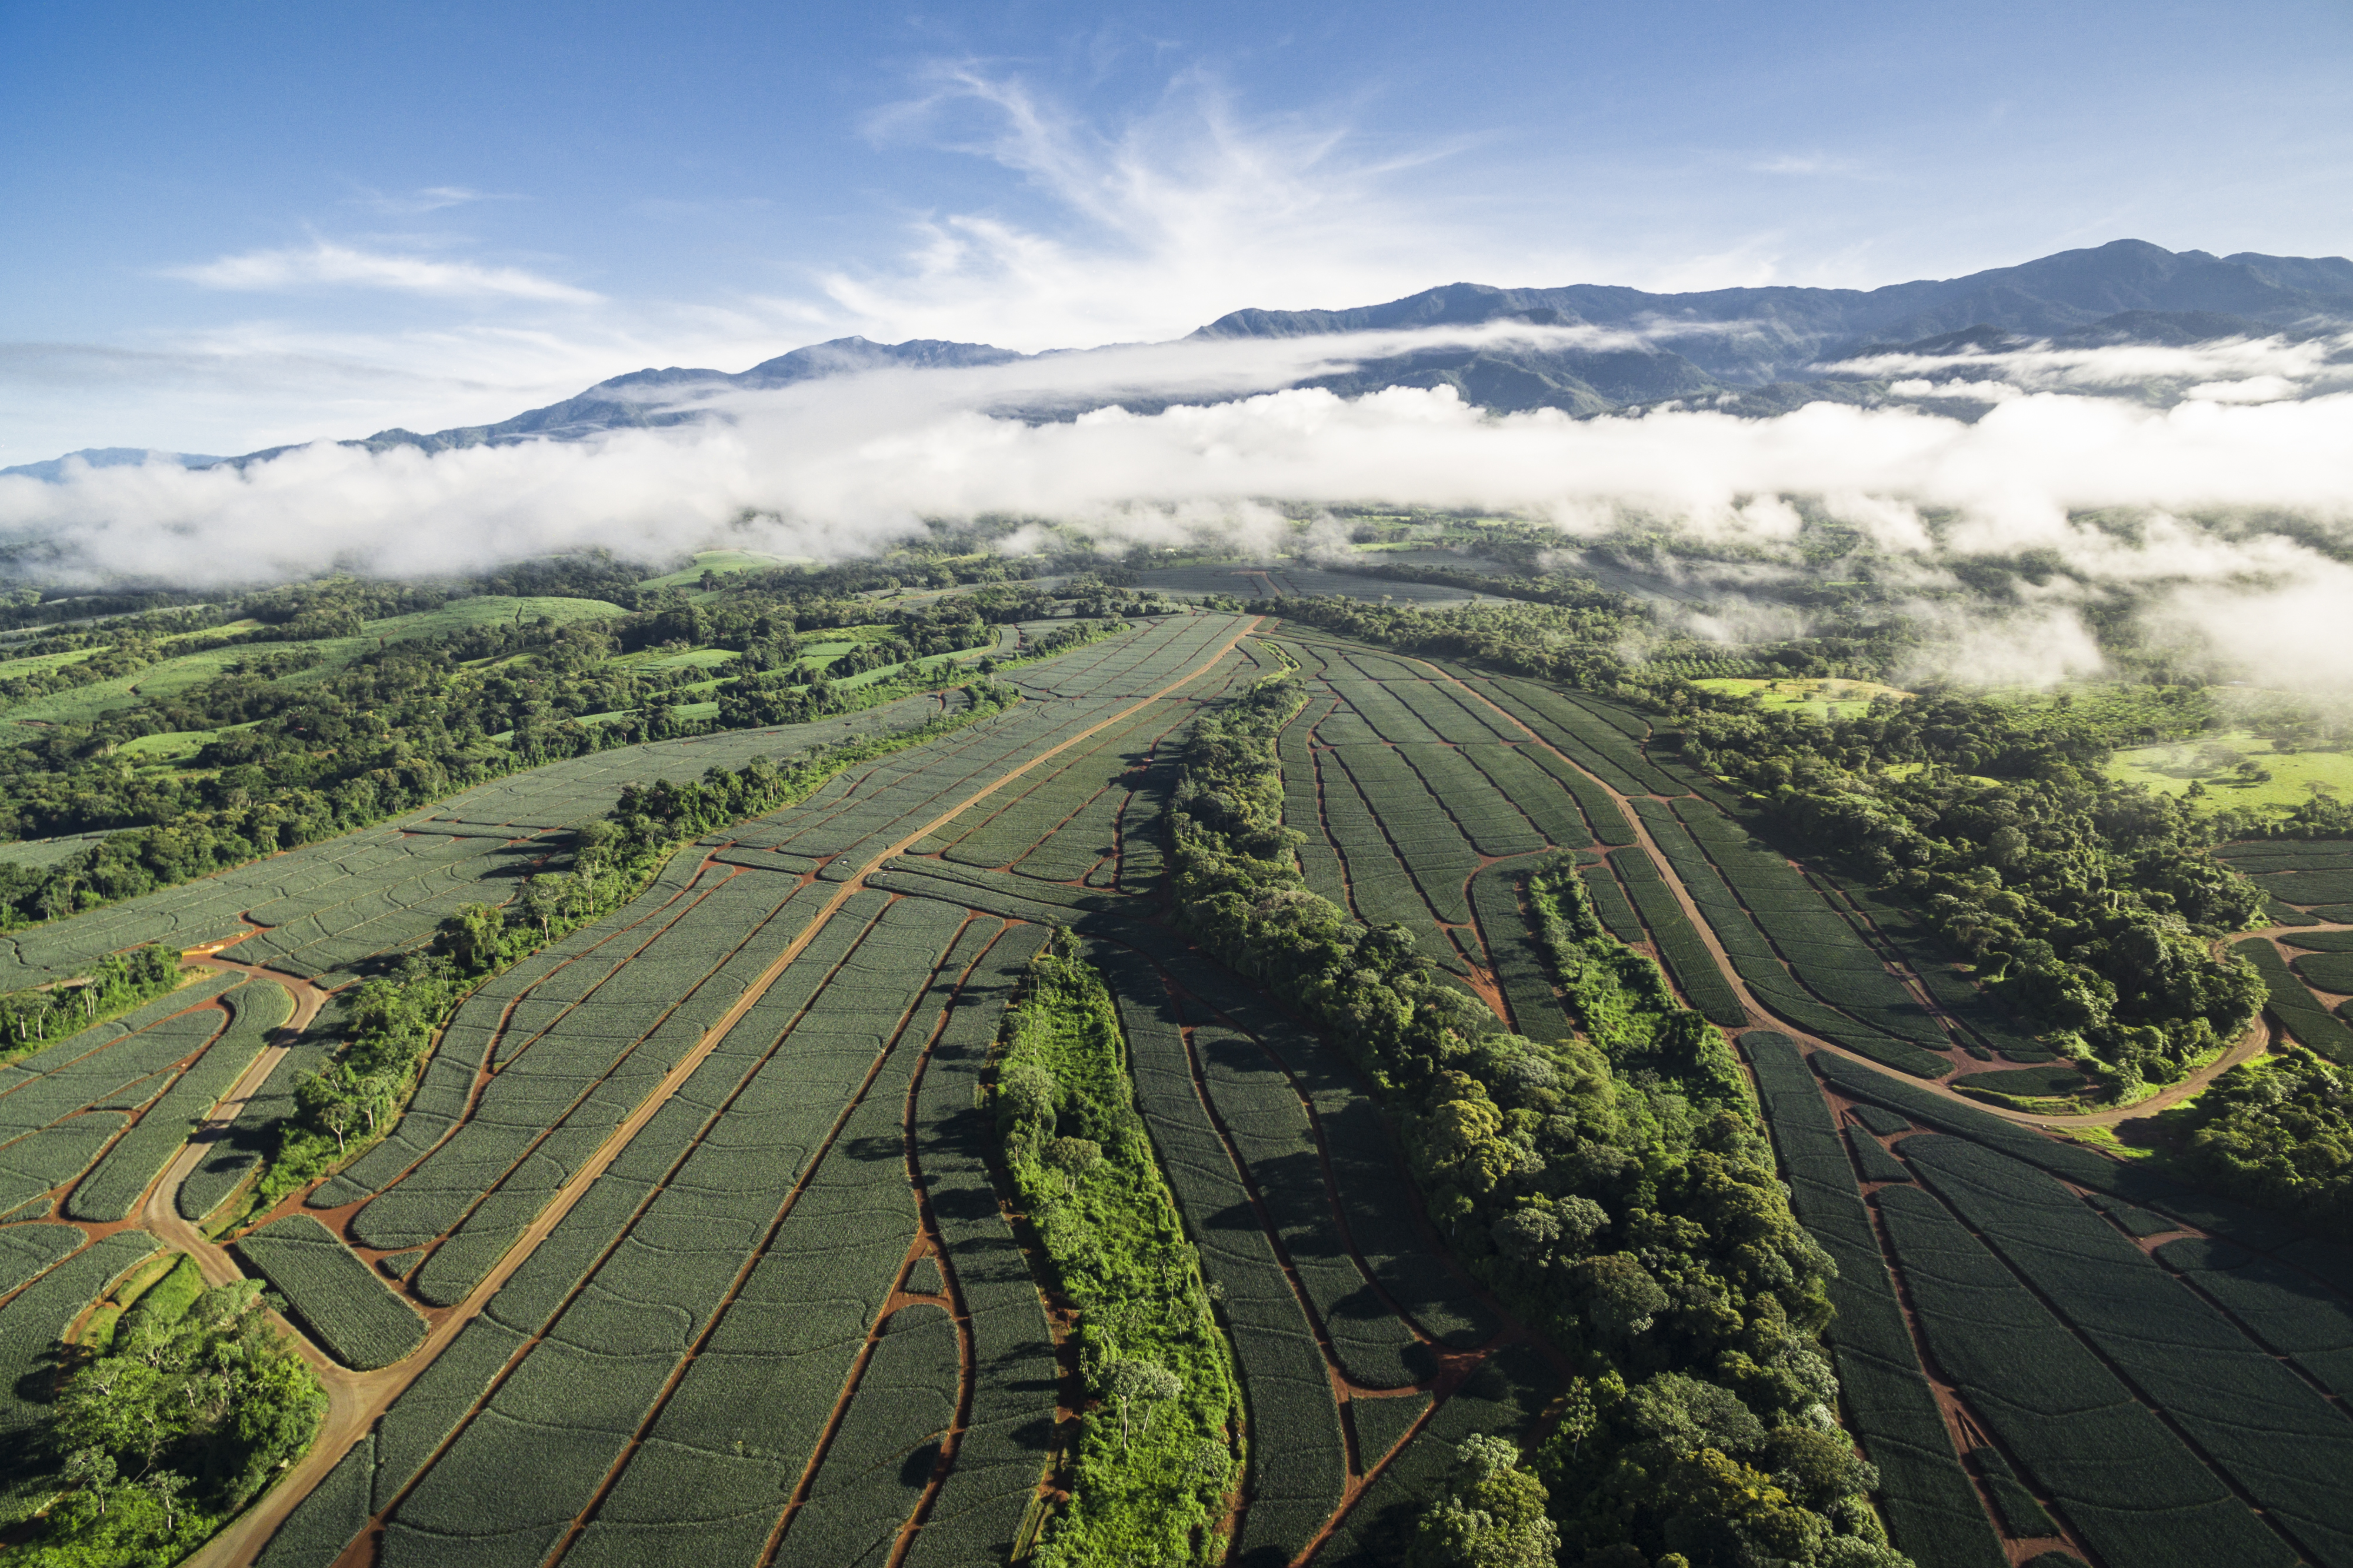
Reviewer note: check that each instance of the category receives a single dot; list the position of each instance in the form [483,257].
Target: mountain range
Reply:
[1749,351]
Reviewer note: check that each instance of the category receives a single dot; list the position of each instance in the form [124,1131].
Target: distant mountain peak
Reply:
[53,470]
[1747,350]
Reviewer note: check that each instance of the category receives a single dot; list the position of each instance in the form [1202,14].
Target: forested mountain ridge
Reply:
[1755,351]
[1783,329]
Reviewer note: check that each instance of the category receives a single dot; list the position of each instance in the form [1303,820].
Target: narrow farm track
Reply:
[159,1215]
[356,1399]
[933,1244]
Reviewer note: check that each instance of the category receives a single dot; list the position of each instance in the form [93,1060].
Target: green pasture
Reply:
[722,562]
[693,659]
[1822,699]
[174,746]
[2215,760]
[16,668]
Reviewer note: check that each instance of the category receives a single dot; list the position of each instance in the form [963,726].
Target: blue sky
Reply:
[238,226]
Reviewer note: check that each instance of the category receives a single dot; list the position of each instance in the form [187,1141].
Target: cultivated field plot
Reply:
[1417,785]
[2311,876]
[1798,954]
[1337,1303]
[745,1340]
[331,908]
[337,1299]
[2123,1365]
[1406,787]
[64,1106]
[50,1274]
[2291,1000]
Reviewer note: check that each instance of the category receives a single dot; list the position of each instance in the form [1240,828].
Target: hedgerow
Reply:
[1529,1155]
[115,984]
[140,1449]
[2276,1131]
[1156,1287]
[1086,1171]
[1680,948]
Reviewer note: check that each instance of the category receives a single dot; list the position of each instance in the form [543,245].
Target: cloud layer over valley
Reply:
[845,465]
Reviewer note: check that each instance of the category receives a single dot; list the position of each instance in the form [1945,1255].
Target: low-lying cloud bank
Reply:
[845,465]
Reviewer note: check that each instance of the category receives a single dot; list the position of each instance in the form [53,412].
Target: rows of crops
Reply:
[1983,1025]
[1798,956]
[233,1152]
[663,1300]
[1798,950]
[770,1350]
[65,1277]
[1404,787]
[115,1184]
[1089,815]
[2311,875]
[2300,1013]
[1931,1509]
[1517,963]
[740,1223]
[63,1105]
[575,1039]
[1267,1143]
[2144,1396]
[336,1297]
[2133,1489]
[1294,1418]
[2269,1434]
[1686,956]
[334,906]
[571,1043]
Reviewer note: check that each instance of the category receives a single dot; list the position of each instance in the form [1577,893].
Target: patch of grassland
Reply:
[2216,760]
[1822,699]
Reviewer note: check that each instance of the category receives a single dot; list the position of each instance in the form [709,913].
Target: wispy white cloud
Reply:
[428,199]
[1805,163]
[2225,370]
[837,466]
[325,264]
[1149,227]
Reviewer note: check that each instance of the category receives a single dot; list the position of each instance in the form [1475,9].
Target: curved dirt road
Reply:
[2256,1039]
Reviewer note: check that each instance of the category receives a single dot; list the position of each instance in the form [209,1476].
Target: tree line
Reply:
[1618,1193]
